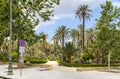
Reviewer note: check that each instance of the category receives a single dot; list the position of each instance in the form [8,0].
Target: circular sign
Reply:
[21,42]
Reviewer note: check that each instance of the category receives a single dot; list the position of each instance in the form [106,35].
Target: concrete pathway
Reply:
[55,66]
[58,72]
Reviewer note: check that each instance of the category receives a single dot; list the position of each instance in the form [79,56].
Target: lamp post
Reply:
[10,71]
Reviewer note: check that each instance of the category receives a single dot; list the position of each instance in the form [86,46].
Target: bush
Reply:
[34,60]
[87,57]
[77,60]
[38,61]
[3,56]
[51,57]
[14,56]
[86,65]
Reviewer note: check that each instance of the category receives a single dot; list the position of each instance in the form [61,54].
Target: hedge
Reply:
[86,65]
[36,61]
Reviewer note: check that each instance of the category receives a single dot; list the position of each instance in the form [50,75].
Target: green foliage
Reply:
[69,50]
[83,12]
[25,15]
[107,30]
[87,56]
[51,57]
[62,33]
[34,60]
[77,60]
[86,65]
[3,56]
[38,61]
[14,56]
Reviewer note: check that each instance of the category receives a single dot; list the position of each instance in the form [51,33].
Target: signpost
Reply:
[21,51]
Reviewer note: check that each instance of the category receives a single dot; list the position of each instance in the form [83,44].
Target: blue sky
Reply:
[64,14]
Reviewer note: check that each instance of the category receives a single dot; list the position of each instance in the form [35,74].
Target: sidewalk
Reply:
[56,73]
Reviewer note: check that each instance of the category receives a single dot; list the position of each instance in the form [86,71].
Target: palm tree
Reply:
[43,39]
[55,39]
[69,50]
[73,34]
[80,41]
[63,32]
[89,36]
[83,12]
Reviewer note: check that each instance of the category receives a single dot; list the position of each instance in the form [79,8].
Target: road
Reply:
[58,72]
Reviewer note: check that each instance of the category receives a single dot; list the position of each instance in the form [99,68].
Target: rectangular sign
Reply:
[21,49]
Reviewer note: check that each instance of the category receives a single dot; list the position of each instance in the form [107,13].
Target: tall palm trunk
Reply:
[64,58]
[83,31]
[63,41]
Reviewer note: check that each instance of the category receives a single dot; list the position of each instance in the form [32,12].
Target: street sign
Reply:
[21,49]
[21,42]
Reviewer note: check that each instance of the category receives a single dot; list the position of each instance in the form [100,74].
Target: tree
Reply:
[83,12]
[106,27]
[87,57]
[80,35]
[43,39]
[56,40]
[26,14]
[73,34]
[89,36]
[69,50]
[63,32]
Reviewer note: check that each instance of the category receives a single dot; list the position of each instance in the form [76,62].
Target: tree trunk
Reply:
[83,31]
[69,58]
[63,41]
[64,58]
[103,59]
[109,60]
[98,57]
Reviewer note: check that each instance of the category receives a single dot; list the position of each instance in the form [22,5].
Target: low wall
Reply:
[96,68]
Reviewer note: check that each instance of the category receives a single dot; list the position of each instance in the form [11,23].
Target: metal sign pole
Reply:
[21,60]
[21,51]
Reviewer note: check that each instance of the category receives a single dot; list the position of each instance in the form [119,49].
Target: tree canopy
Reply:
[26,15]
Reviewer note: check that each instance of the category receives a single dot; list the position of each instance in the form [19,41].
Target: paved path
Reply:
[57,73]
[60,68]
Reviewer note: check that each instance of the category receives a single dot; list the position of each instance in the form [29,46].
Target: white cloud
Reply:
[116,4]
[42,24]
[67,8]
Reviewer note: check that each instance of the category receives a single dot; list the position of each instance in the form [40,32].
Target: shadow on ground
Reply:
[1,77]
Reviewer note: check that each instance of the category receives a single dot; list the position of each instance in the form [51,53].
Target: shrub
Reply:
[87,57]
[34,60]
[38,61]
[14,56]
[86,65]
[3,56]
[77,60]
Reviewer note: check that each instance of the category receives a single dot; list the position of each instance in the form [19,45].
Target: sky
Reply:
[64,14]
